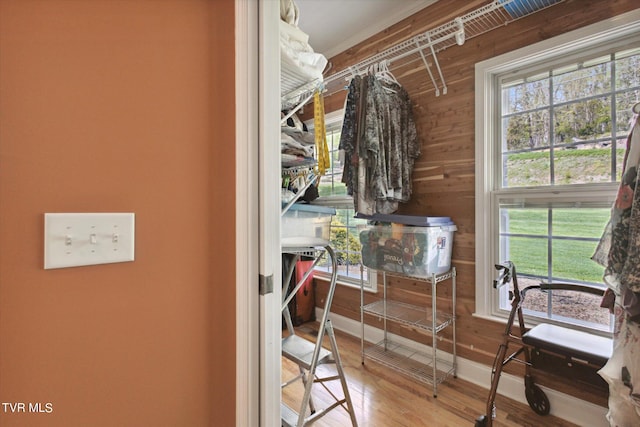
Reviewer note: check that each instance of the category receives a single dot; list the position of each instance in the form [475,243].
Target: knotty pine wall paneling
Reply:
[444,181]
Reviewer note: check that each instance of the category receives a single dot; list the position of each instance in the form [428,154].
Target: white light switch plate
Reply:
[77,239]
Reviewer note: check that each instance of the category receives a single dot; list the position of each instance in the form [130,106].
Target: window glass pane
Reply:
[583,164]
[580,222]
[628,69]
[568,306]
[587,147]
[526,131]
[575,234]
[624,102]
[331,182]
[535,302]
[344,237]
[525,95]
[580,308]
[620,153]
[583,120]
[572,261]
[346,242]
[584,82]
[529,254]
[524,221]
[526,169]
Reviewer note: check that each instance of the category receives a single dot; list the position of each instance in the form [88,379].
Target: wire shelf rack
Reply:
[482,20]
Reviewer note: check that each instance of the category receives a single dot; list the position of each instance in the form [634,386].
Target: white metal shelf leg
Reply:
[362,313]
[434,339]
[453,321]
[384,308]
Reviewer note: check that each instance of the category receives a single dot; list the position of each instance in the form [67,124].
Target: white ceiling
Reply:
[334,26]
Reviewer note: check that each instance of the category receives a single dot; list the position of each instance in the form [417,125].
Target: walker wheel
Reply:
[481,421]
[537,400]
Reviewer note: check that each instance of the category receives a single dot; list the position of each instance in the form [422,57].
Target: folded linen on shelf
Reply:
[289,145]
[291,160]
[297,56]
[301,136]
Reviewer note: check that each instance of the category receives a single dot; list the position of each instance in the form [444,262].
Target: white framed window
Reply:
[551,127]
[344,227]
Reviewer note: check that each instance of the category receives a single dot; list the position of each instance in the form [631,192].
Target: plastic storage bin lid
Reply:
[420,221]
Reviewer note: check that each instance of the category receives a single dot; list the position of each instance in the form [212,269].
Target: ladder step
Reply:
[300,351]
[288,415]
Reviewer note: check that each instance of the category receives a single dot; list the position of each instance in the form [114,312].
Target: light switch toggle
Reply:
[93,239]
[67,240]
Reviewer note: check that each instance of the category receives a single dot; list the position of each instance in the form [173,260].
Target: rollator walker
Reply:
[575,351]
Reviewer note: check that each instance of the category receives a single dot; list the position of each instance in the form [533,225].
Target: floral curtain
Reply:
[619,252]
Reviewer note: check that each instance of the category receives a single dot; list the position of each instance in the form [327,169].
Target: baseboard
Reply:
[563,406]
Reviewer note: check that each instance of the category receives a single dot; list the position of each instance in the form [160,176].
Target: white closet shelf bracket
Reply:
[299,194]
[298,96]
[303,99]
[413,46]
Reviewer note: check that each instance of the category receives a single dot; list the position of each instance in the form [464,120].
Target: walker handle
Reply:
[504,276]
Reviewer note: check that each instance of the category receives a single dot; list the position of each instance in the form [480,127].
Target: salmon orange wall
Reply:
[118,106]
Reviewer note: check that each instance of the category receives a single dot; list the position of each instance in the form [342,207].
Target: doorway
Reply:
[258,261]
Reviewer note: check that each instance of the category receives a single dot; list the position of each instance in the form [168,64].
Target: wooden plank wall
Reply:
[444,183]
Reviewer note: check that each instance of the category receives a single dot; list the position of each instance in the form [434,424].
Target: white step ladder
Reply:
[310,355]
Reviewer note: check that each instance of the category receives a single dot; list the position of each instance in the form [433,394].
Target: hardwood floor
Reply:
[383,397]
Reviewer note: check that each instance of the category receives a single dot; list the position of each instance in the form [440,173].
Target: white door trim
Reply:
[269,208]
[258,317]
[246,179]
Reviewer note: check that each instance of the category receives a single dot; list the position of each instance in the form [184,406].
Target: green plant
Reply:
[345,243]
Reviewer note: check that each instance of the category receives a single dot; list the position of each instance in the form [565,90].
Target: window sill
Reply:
[343,283]
[531,321]
[496,319]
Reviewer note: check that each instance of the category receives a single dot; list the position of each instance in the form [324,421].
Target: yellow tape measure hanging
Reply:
[322,149]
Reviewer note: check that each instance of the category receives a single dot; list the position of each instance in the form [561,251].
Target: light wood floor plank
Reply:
[383,397]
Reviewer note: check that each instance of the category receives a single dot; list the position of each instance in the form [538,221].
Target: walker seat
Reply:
[577,345]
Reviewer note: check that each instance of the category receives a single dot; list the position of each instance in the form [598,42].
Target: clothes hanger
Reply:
[384,70]
[636,108]
[385,75]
